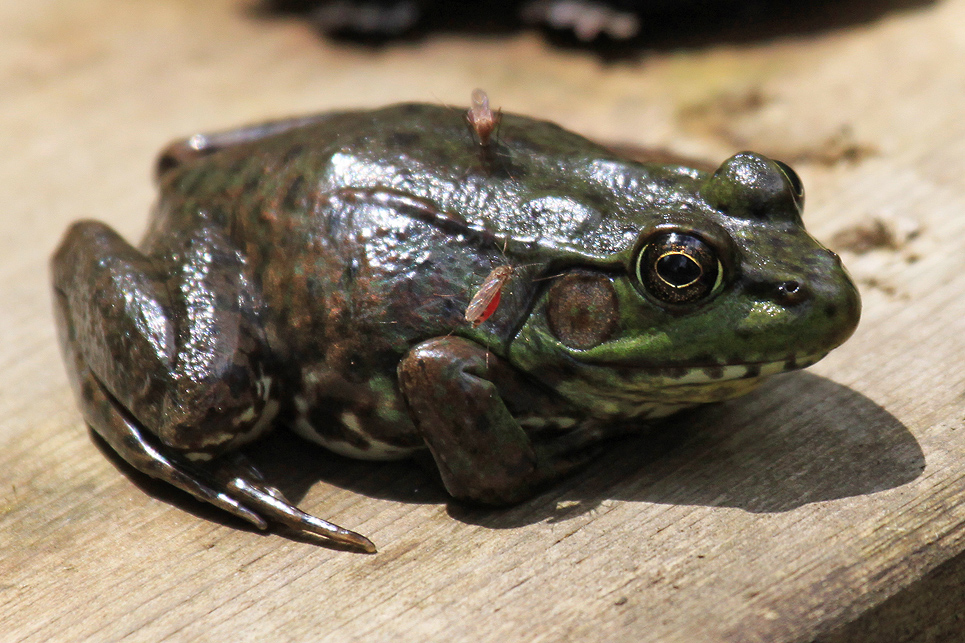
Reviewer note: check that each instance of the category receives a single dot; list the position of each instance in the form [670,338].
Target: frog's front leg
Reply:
[170,365]
[464,400]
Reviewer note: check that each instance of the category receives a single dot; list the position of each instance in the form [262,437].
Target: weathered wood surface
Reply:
[779,517]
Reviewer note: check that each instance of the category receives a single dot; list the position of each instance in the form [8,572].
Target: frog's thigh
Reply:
[189,368]
[481,451]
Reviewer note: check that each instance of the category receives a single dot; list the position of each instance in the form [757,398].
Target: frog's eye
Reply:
[678,268]
[797,187]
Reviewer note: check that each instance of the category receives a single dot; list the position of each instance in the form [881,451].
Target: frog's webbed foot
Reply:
[460,396]
[173,385]
[229,482]
[241,478]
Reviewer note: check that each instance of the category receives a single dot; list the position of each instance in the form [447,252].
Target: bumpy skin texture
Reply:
[315,272]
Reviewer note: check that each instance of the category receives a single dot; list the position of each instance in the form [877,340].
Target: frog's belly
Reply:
[370,449]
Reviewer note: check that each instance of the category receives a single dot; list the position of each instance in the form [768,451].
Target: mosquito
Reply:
[486,300]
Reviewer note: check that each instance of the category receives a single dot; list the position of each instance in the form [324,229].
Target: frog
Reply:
[315,272]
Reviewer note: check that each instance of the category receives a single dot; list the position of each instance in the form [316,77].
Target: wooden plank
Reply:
[779,517]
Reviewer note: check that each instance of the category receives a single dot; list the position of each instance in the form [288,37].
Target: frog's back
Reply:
[546,188]
[368,231]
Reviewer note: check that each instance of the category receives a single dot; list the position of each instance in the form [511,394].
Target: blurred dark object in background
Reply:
[611,27]
[586,20]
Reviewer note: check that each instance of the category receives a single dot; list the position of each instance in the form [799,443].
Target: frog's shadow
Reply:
[799,439]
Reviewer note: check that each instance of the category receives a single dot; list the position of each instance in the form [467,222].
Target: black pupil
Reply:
[678,270]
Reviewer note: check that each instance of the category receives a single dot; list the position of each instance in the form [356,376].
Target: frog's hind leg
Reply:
[168,361]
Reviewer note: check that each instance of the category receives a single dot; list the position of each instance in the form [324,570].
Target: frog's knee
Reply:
[83,242]
[220,417]
[216,428]
[441,359]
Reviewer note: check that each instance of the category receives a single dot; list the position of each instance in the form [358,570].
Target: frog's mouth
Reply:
[647,375]
[623,389]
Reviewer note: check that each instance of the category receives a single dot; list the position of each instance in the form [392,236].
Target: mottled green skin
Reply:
[349,244]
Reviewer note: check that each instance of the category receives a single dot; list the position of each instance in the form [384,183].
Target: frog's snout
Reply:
[846,313]
[836,304]
[812,305]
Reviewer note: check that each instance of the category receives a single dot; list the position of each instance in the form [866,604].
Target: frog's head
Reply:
[710,298]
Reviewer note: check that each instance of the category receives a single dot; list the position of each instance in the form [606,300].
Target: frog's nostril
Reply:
[790,287]
[791,292]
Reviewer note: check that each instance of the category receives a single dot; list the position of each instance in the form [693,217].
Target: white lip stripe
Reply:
[698,374]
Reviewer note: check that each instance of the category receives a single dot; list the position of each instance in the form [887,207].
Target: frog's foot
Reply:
[241,478]
[172,382]
[229,482]
[458,393]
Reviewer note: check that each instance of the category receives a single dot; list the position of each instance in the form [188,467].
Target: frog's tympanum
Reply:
[316,273]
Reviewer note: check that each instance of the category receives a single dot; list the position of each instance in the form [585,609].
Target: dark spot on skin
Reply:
[87,390]
[324,423]
[217,216]
[830,310]
[165,164]
[596,200]
[293,194]
[525,144]
[406,139]
[293,153]
[779,243]
[561,372]
[251,185]
[672,372]
[713,372]
[753,370]
[189,181]
[238,167]
[790,363]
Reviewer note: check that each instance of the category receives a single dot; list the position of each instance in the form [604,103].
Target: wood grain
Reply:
[784,516]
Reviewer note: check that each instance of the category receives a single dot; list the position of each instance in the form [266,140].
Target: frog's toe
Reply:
[127,439]
[244,481]
[230,483]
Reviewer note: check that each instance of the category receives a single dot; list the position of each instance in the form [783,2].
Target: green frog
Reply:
[316,273]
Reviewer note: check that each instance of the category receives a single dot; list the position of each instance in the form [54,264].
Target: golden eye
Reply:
[678,268]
